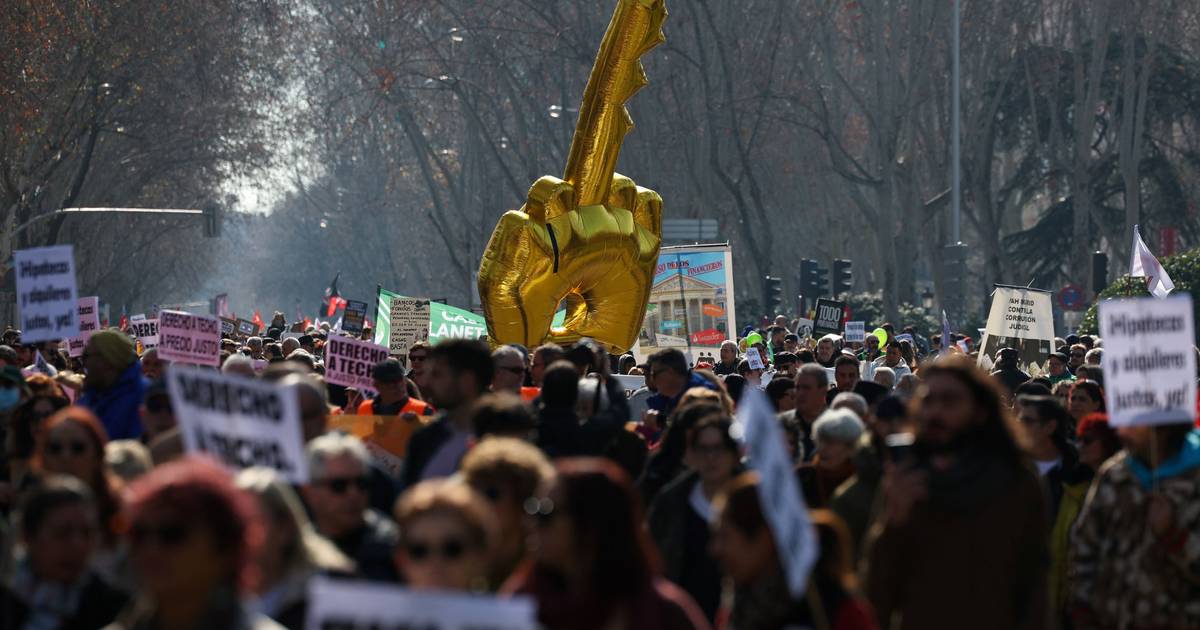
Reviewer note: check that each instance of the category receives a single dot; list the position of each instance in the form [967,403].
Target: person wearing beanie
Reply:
[114,385]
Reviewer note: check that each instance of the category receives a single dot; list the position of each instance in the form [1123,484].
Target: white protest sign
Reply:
[146,330]
[350,361]
[46,293]
[804,328]
[755,359]
[856,332]
[360,605]
[89,322]
[1149,364]
[242,422]
[1021,319]
[410,324]
[630,383]
[778,491]
[188,338]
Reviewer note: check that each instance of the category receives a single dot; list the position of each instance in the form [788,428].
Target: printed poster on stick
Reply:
[189,338]
[856,332]
[829,317]
[240,421]
[89,322]
[1020,318]
[409,324]
[691,300]
[354,316]
[350,362]
[46,293]
[1149,361]
[337,603]
[146,331]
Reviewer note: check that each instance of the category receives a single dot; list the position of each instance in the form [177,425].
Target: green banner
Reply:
[445,322]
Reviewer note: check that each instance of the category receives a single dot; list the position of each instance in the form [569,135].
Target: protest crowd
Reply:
[610,492]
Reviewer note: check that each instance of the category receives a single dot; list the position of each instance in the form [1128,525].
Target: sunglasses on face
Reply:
[72,447]
[540,509]
[341,485]
[419,551]
[162,535]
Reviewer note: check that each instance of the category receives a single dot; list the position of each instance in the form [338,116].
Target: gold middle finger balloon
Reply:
[590,239]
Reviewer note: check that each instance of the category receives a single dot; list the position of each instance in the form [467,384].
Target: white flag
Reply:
[1145,265]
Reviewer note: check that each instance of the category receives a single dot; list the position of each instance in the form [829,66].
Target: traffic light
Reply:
[814,280]
[1099,272]
[212,221]
[772,294]
[843,277]
[954,281]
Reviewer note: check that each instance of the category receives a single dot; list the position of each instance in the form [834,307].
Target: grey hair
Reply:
[1095,356]
[238,364]
[837,425]
[852,401]
[331,445]
[279,500]
[816,371]
[507,352]
[884,370]
[129,459]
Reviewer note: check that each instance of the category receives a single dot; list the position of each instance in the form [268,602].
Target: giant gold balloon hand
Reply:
[590,239]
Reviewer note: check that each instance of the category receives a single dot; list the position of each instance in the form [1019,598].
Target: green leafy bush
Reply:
[1184,270]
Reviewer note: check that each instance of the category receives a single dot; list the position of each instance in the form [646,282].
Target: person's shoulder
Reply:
[678,609]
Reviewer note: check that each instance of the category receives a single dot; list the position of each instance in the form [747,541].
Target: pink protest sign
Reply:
[350,362]
[188,338]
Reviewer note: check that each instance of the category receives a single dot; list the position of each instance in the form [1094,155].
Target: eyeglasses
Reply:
[340,485]
[72,447]
[162,535]
[541,509]
[450,549]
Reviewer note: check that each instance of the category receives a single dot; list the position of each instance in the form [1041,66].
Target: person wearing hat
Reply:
[1007,370]
[114,385]
[1058,368]
[393,398]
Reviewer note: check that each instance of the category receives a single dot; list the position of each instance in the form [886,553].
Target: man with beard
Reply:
[963,518]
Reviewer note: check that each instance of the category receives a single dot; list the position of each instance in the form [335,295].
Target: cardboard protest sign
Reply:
[856,332]
[782,503]
[354,604]
[354,316]
[240,421]
[247,328]
[804,328]
[46,293]
[228,327]
[188,338]
[349,362]
[755,359]
[89,322]
[409,319]
[1020,318]
[1149,363]
[146,331]
[829,317]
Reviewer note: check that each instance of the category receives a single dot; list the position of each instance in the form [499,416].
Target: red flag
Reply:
[258,320]
[124,323]
[333,299]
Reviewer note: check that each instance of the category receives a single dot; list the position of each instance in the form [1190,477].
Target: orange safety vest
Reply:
[528,394]
[414,406]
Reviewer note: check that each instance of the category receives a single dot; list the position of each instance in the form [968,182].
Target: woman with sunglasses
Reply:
[54,585]
[594,565]
[193,540]
[1086,397]
[448,537]
[72,443]
[27,423]
[293,551]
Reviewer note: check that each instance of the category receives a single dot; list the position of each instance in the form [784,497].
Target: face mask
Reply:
[9,398]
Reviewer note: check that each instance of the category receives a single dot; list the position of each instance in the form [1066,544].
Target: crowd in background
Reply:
[942,496]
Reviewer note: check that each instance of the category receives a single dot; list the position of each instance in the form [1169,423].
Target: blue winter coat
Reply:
[118,406]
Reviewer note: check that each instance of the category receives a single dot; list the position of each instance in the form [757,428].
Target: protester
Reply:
[153,365]
[543,357]
[836,436]
[292,552]
[1133,556]
[594,563]
[845,373]
[967,481]
[393,398]
[73,443]
[893,359]
[671,378]
[507,472]
[114,385]
[729,359]
[449,537]
[510,370]
[746,549]
[1086,397]
[781,391]
[26,424]
[54,585]
[1097,440]
[193,537]
[680,516]
[127,459]
[668,461]
[502,415]
[855,500]
[558,432]
[1059,373]
[827,351]
[460,372]
[885,376]
[337,497]
[812,387]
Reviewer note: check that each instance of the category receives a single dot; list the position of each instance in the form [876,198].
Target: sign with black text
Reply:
[410,324]
[829,317]
[856,332]
[189,338]
[89,322]
[46,293]
[1023,319]
[146,331]
[350,361]
[1149,360]
[804,328]
[335,604]
[240,421]
[247,328]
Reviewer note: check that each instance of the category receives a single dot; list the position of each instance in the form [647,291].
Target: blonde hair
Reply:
[128,459]
[514,463]
[448,496]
